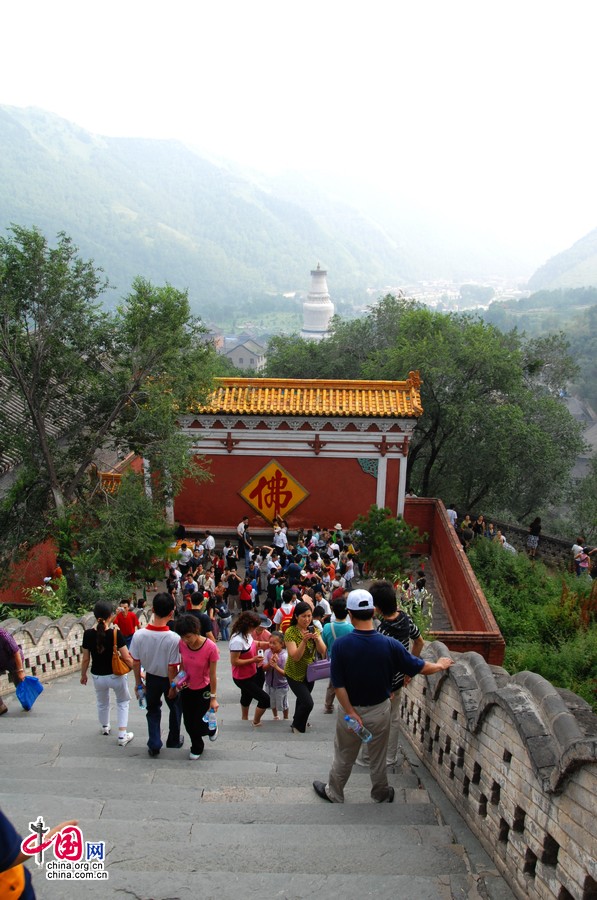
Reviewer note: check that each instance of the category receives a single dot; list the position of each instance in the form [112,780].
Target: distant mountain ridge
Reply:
[573,268]
[158,209]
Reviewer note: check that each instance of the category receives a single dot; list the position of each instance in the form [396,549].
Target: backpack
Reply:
[223,611]
[285,620]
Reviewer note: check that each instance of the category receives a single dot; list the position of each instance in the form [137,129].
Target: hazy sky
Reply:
[483,111]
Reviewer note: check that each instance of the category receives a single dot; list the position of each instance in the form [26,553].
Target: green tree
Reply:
[493,431]
[82,379]
[385,542]
[121,545]
[584,504]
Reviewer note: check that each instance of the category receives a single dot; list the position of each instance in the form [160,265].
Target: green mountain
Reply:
[157,208]
[573,268]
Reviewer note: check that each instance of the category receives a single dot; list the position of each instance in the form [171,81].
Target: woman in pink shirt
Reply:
[199,658]
[245,658]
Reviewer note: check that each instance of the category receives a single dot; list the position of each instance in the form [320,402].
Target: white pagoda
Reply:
[318,309]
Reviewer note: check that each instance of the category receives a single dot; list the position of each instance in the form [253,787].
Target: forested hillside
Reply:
[573,312]
[573,268]
[158,209]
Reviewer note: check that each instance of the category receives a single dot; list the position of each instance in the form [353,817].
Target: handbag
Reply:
[28,690]
[119,667]
[318,669]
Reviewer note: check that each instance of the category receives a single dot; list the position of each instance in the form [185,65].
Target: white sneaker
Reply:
[212,735]
[194,755]
[105,729]
[125,738]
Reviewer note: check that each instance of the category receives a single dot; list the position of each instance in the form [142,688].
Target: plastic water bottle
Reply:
[180,680]
[364,733]
[210,719]
[141,697]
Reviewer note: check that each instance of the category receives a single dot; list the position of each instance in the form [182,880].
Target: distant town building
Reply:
[318,309]
[247,355]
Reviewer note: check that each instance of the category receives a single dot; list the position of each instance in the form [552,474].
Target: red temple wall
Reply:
[474,627]
[339,491]
[392,485]
[29,572]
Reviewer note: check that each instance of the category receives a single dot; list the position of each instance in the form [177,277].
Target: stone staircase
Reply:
[243,821]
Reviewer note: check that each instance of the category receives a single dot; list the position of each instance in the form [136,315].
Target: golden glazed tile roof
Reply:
[314,397]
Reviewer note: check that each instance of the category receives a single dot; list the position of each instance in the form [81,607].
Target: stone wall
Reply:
[553,551]
[516,757]
[50,647]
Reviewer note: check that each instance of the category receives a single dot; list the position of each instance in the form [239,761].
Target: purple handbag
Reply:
[318,669]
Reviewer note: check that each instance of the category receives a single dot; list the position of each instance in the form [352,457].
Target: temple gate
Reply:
[312,451]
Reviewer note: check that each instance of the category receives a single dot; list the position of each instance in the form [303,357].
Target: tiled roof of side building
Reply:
[314,397]
[17,420]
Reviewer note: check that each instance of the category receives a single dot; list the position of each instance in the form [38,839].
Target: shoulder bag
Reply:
[119,667]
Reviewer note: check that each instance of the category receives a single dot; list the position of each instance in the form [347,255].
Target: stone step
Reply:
[59,806]
[242,821]
[317,849]
[183,798]
[159,884]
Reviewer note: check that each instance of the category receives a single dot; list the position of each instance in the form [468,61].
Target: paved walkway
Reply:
[241,822]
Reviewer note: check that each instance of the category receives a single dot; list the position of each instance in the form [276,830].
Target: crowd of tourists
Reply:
[292,616]
[471,527]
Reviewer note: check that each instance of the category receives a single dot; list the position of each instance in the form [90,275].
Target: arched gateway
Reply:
[309,450]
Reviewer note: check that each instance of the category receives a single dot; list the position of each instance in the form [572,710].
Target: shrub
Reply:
[542,616]
[385,542]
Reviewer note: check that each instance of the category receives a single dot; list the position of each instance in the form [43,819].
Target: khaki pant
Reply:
[392,751]
[346,748]
[330,695]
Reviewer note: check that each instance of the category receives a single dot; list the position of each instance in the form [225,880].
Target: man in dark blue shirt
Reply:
[363,667]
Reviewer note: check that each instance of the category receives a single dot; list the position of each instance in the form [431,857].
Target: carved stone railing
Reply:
[516,756]
[553,551]
[51,647]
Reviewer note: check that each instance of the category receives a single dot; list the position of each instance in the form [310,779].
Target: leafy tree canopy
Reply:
[493,431]
[83,380]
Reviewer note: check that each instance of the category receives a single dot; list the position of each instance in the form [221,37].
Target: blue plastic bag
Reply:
[28,690]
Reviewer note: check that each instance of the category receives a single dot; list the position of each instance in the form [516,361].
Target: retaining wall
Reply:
[516,757]
[553,551]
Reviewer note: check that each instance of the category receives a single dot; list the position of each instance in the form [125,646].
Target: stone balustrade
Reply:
[553,551]
[516,757]
[50,647]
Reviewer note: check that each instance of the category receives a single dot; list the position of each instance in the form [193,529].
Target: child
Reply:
[276,685]
[318,614]
[269,608]
[245,593]
[349,572]
[284,614]
[224,618]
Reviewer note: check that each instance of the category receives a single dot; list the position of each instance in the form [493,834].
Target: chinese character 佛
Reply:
[270,493]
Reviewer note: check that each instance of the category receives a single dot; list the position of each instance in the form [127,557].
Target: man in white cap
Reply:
[362,669]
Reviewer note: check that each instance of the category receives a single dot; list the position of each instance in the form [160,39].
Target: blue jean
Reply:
[157,687]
